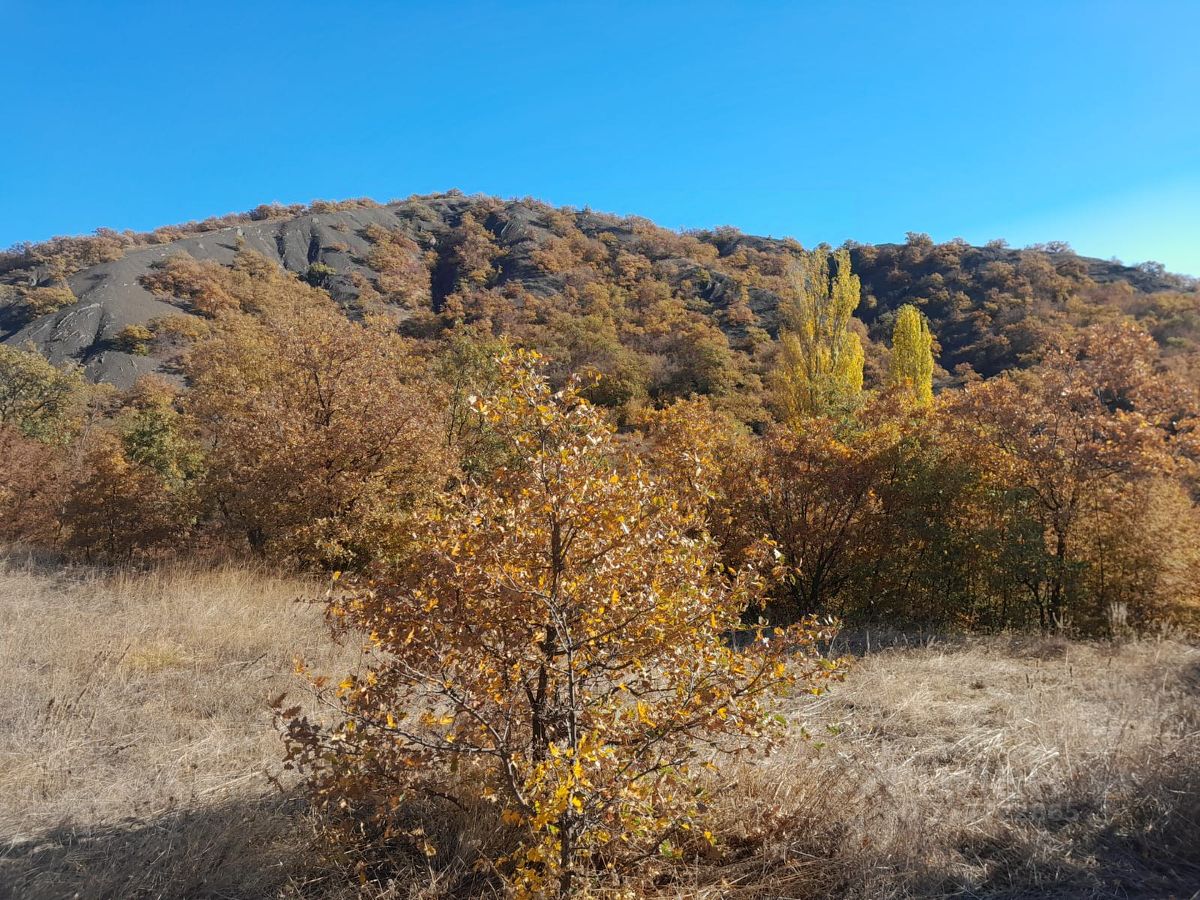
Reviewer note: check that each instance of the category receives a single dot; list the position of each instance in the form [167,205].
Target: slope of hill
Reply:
[657,312]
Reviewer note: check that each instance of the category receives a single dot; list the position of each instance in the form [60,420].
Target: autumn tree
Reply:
[204,285]
[556,646]
[401,271]
[1082,435]
[1142,559]
[474,253]
[117,506]
[33,480]
[816,495]
[820,366]
[704,452]
[910,367]
[36,398]
[319,434]
[39,411]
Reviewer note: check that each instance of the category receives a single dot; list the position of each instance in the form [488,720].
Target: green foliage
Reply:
[319,273]
[36,397]
[153,434]
[467,366]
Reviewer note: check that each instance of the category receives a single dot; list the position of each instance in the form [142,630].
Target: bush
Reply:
[41,301]
[318,274]
[557,647]
[134,339]
[35,397]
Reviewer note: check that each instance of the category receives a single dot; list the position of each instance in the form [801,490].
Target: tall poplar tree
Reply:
[911,366]
[820,366]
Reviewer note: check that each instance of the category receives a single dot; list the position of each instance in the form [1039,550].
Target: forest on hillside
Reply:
[309,416]
[658,314]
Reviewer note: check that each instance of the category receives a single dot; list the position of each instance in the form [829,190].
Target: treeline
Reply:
[656,315]
[993,307]
[1062,494]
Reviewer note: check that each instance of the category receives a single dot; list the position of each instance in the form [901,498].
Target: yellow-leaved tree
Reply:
[559,650]
[37,398]
[820,367]
[910,368]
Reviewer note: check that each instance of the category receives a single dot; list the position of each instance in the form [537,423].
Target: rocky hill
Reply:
[655,310]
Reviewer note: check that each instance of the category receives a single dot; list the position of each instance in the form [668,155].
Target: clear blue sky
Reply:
[1031,121]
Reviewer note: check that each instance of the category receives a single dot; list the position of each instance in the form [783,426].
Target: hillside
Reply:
[660,314]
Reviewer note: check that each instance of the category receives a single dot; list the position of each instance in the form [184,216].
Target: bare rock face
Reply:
[111,295]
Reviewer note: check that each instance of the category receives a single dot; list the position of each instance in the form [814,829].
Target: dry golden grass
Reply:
[135,745]
[135,733]
[987,768]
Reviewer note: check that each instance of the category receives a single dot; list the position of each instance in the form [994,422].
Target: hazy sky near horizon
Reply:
[1032,121]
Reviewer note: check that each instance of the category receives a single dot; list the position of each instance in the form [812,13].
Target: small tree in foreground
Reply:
[558,646]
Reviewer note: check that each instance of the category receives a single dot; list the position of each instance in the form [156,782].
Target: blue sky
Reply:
[1029,121]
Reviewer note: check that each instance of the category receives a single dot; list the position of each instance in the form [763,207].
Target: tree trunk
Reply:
[566,839]
[1056,587]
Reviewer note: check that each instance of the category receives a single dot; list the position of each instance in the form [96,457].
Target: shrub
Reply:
[35,397]
[117,506]
[557,647]
[41,301]
[320,435]
[318,274]
[134,339]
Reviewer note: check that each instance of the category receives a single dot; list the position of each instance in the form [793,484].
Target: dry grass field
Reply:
[136,745]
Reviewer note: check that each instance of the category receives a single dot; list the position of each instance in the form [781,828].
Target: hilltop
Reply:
[659,313]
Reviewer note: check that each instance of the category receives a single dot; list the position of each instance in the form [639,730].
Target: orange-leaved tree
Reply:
[1085,437]
[560,647]
[320,434]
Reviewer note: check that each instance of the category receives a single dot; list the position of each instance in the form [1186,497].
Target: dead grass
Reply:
[135,745]
[998,768]
[135,737]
